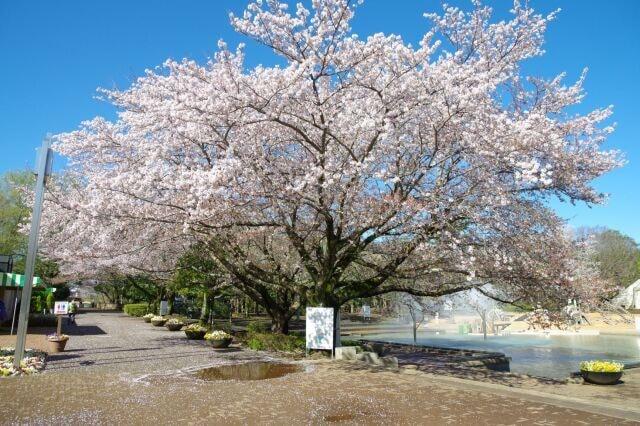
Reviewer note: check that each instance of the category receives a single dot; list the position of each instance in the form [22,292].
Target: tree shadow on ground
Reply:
[83,330]
[113,349]
[122,360]
[63,356]
[4,331]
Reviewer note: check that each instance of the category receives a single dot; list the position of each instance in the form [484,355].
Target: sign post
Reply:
[60,309]
[319,328]
[366,312]
[164,307]
[42,171]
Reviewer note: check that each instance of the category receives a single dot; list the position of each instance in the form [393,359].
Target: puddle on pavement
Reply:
[260,370]
[339,417]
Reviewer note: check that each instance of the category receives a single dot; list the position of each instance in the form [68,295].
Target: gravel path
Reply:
[121,343]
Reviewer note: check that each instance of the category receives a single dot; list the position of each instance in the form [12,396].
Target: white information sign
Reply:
[319,328]
[61,308]
[366,311]
[164,307]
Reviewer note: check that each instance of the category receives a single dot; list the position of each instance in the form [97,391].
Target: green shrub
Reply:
[275,342]
[136,309]
[256,344]
[36,304]
[257,327]
[220,309]
[42,320]
[51,300]
[347,342]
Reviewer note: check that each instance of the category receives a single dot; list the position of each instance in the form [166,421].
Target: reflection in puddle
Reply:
[260,370]
[340,417]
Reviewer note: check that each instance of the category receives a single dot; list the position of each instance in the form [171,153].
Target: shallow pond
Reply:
[547,356]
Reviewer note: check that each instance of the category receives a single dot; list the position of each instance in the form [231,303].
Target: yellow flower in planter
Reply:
[601,366]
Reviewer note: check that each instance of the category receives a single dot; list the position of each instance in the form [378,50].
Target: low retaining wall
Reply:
[438,356]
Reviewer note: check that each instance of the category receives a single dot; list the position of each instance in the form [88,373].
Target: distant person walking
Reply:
[73,309]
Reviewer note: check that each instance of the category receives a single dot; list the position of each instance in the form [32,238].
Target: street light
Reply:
[43,170]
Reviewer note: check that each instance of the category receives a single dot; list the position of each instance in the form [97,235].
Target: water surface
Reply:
[260,370]
[547,356]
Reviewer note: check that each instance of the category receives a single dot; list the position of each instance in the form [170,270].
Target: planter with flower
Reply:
[174,324]
[601,372]
[219,339]
[147,317]
[158,321]
[56,342]
[195,331]
[32,362]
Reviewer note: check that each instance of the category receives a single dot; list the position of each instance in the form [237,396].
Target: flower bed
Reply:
[174,324]
[32,362]
[57,337]
[147,317]
[195,331]
[158,321]
[219,339]
[601,372]
[599,366]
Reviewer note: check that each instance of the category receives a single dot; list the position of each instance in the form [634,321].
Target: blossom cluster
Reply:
[355,168]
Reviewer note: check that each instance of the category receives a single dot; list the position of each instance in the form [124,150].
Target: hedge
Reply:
[275,342]
[42,320]
[136,309]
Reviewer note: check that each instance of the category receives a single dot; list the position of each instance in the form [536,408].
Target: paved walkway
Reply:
[124,371]
[119,343]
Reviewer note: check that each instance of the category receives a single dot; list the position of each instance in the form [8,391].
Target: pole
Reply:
[59,328]
[42,170]
[13,314]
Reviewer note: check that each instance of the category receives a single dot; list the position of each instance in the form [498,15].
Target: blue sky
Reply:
[55,54]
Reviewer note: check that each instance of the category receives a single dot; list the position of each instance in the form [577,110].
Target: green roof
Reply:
[17,280]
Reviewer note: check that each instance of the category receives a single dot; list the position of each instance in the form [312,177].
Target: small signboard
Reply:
[366,312]
[61,308]
[319,328]
[164,307]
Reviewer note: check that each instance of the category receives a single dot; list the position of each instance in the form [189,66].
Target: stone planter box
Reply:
[195,335]
[220,344]
[601,378]
[55,346]
[174,327]
[158,323]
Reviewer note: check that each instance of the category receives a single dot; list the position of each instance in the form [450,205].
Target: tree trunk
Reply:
[204,313]
[336,328]
[484,326]
[415,333]
[172,299]
[280,323]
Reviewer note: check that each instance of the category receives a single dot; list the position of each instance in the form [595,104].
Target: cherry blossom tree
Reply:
[355,168]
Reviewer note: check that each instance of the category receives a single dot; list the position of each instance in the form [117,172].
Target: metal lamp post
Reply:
[43,170]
